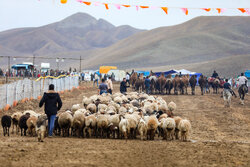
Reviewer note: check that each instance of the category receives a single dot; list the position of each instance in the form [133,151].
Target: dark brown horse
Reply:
[193,82]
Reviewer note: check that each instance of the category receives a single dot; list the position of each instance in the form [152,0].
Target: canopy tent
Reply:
[106,69]
[145,73]
[22,66]
[165,73]
[247,73]
[119,74]
[184,72]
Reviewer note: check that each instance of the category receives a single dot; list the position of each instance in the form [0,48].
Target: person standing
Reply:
[127,78]
[53,103]
[110,85]
[227,93]
[103,87]
[147,84]
[96,78]
[123,86]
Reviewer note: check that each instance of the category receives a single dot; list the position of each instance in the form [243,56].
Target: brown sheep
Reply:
[31,124]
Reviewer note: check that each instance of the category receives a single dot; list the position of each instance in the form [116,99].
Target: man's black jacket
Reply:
[53,102]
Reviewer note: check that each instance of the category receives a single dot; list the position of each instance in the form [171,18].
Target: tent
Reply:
[145,73]
[106,69]
[119,74]
[247,73]
[184,72]
[165,73]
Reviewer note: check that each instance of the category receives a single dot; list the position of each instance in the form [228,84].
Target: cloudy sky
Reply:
[34,13]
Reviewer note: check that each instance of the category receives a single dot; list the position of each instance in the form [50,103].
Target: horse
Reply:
[169,84]
[242,92]
[176,84]
[184,84]
[162,82]
[216,85]
[132,79]
[153,80]
[139,83]
[202,83]
[193,82]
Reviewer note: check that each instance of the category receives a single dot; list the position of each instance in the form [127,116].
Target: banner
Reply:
[165,9]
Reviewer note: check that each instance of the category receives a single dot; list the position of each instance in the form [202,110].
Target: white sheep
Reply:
[102,125]
[177,122]
[75,107]
[118,100]
[86,101]
[185,128]
[168,126]
[152,124]
[114,121]
[90,125]
[65,121]
[142,129]
[78,123]
[91,107]
[172,106]
[123,128]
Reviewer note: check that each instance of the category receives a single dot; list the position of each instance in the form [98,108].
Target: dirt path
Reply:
[220,137]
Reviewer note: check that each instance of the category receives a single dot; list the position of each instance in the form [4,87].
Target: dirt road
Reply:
[220,137]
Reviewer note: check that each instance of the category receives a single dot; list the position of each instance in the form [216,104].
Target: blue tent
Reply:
[145,73]
[165,73]
[22,66]
[247,73]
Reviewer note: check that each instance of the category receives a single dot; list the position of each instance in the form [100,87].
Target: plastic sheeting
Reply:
[27,88]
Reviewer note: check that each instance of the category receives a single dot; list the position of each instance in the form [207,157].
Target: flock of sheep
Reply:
[107,116]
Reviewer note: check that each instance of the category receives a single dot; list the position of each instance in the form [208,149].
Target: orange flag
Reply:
[185,10]
[207,9]
[126,6]
[165,9]
[144,7]
[63,1]
[87,3]
[242,10]
[106,5]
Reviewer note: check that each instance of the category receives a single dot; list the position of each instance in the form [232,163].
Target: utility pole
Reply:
[34,65]
[80,64]
[8,75]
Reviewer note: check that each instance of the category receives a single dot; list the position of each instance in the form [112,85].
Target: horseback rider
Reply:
[215,74]
[242,81]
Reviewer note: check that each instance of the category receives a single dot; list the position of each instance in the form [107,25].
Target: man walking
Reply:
[227,93]
[53,103]
[103,87]
[96,78]
[110,85]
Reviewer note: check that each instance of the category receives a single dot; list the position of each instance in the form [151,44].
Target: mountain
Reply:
[75,33]
[202,40]
[202,44]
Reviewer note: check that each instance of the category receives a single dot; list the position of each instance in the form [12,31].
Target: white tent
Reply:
[184,72]
[119,74]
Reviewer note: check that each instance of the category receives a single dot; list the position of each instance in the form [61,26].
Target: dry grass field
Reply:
[220,137]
